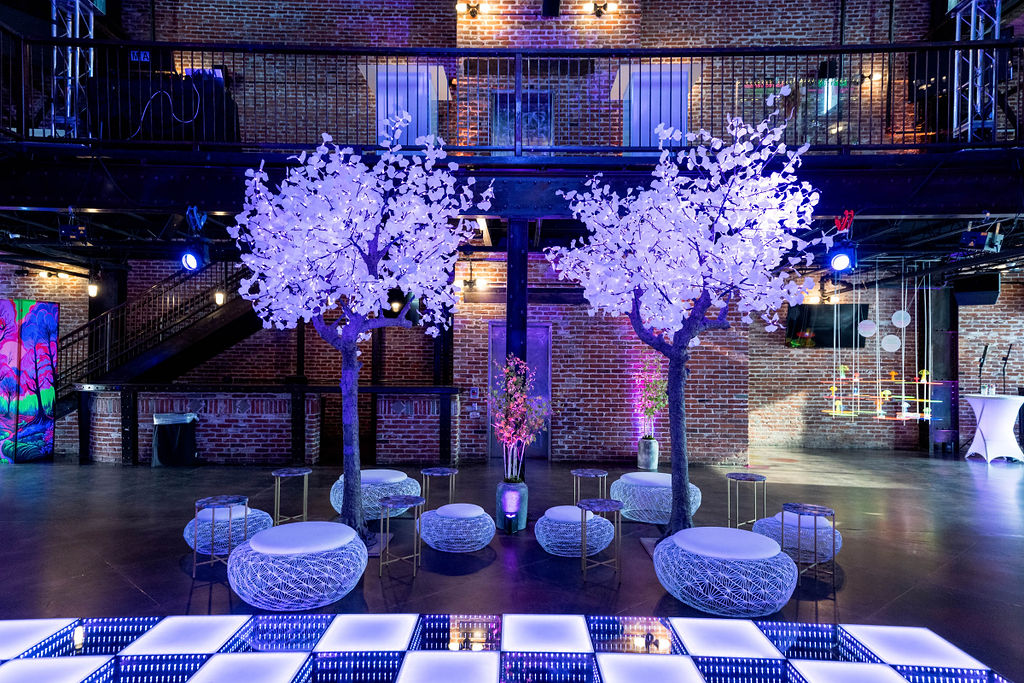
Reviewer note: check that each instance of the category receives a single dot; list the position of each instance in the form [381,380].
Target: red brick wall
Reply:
[998,326]
[231,427]
[428,23]
[789,387]
[408,429]
[592,392]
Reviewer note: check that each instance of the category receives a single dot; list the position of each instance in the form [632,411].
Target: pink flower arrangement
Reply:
[651,394]
[518,416]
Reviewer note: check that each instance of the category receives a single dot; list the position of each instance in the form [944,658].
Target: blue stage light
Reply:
[842,259]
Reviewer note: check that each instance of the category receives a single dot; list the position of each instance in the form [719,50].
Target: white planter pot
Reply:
[647,454]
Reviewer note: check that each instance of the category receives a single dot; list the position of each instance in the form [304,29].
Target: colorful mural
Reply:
[28,364]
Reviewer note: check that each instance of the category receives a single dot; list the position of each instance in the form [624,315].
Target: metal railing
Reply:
[123,333]
[502,102]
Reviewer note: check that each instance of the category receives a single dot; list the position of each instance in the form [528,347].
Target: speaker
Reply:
[550,8]
[976,290]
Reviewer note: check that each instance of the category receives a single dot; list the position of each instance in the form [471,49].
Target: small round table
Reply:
[429,472]
[599,506]
[579,474]
[286,473]
[817,512]
[399,503]
[214,503]
[754,479]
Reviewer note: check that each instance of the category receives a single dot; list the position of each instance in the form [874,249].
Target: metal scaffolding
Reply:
[72,65]
[976,72]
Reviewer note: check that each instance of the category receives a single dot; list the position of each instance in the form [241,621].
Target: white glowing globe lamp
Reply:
[867,328]
[901,319]
[891,343]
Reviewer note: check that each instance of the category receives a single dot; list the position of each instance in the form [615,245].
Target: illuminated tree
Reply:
[363,239]
[714,234]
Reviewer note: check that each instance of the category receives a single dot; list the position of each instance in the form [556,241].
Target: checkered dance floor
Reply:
[450,648]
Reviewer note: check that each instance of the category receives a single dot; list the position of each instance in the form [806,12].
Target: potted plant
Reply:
[518,418]
[652,398]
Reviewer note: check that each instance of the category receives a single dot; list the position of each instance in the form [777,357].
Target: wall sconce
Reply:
[473,9]
[471,284]
[599,9]
[218,298]
[93,289]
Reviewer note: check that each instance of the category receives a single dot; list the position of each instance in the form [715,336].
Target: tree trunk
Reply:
[681,518]
[352,504]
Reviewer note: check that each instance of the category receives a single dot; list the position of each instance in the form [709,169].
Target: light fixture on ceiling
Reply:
[842,257]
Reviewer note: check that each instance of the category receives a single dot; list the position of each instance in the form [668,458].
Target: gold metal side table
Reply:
[400,503]
[599,506]
[286,473]
[732,502]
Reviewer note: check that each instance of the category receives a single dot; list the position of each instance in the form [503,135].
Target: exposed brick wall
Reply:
[408,429]
[592,392]
[998,325]
[412,23]
[231,427]
[789,387]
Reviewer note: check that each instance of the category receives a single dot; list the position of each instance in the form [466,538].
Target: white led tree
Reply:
[353,244]
[714,235]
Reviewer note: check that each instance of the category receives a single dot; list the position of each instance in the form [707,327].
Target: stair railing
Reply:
[123,333]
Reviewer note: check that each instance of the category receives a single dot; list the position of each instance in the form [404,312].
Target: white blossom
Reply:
[340,232]
[716,229]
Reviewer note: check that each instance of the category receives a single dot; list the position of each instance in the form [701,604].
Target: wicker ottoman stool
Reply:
[811,549]
[213,523]
[728,572]
[647,496]
[376,484]
[457,528]
[297,566]
[560,533]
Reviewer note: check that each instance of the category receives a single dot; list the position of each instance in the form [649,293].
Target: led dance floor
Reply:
[452,648]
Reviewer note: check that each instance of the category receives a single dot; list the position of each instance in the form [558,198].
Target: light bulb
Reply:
[94,289]
[44,274]
[63,276]
[396,306]
[218,298]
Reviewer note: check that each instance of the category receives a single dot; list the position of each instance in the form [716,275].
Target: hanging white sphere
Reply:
[891,343]
[901,319]
[867,328]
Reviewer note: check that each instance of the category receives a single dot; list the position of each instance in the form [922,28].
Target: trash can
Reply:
[174,439]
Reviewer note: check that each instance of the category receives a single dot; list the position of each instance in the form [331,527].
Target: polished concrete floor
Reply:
[936,543]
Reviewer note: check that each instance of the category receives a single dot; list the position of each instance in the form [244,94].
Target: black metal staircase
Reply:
[170,328]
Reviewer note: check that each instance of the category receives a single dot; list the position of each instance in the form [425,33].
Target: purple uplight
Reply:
[510,501]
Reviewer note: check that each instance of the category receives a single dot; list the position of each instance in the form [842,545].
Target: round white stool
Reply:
[457,528]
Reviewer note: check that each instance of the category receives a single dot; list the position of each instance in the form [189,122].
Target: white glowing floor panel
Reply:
[19,635]
[912,646]
[845,672]
[186,635]
[545,633]
[264,667]
[52,669]
[450,667]
[724,638]
[368,632]
[634,668]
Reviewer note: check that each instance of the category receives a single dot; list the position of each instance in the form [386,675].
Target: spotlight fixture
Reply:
[599,9]
[93,289]
[842,258]
[63,276]
[473,9]
[190,260]
[218,298]
[45,274]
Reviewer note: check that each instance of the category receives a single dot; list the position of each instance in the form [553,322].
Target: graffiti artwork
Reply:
[28,366]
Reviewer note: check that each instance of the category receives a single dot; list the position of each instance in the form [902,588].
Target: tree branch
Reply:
[647,336]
